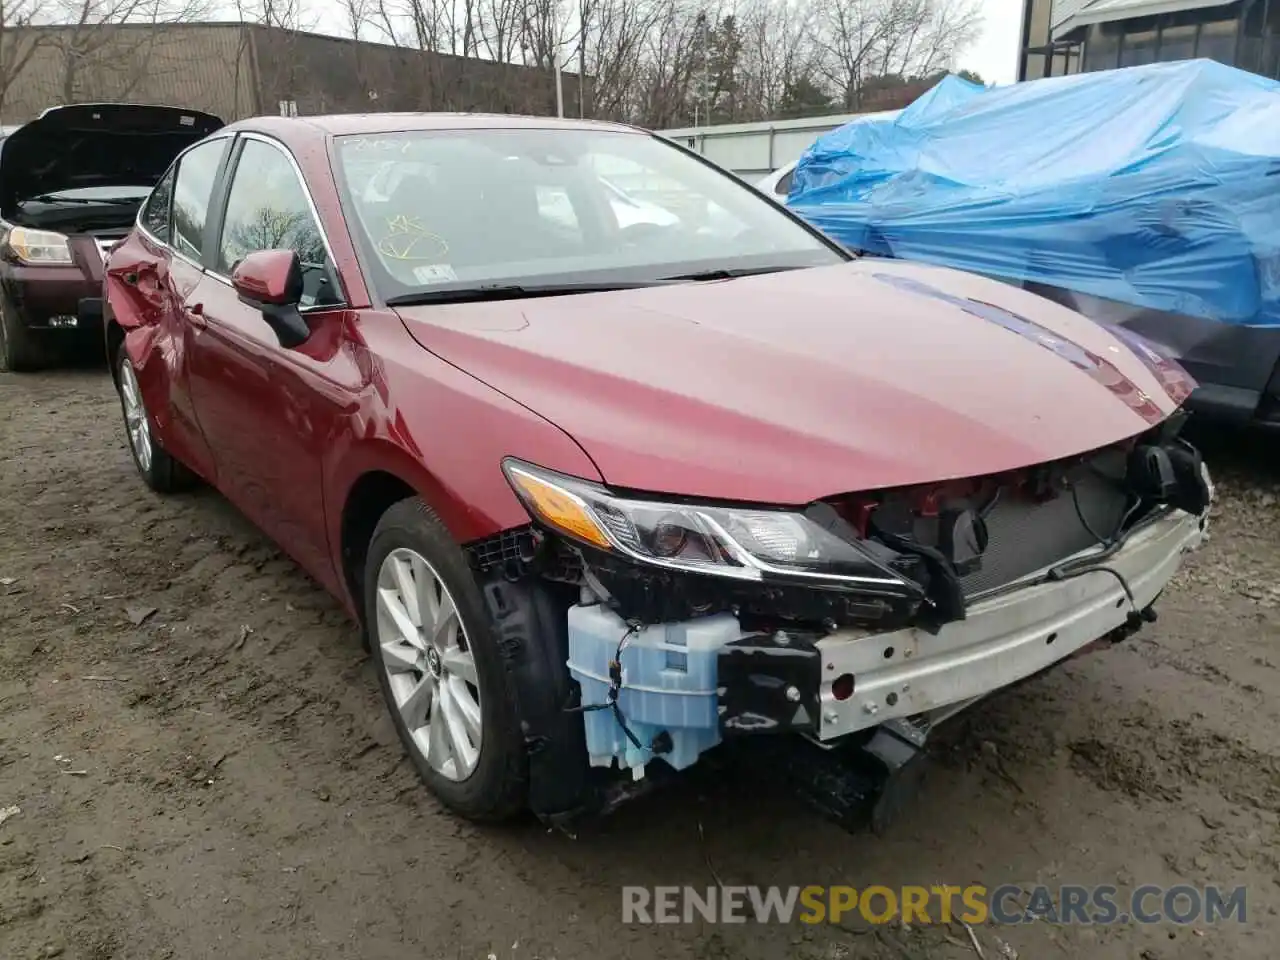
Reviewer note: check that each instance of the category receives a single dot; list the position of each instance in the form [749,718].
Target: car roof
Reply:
[345,124]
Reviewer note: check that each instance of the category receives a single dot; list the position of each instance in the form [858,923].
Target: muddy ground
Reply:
[216,778]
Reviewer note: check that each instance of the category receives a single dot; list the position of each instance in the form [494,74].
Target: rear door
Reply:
[267,411]
[152,276]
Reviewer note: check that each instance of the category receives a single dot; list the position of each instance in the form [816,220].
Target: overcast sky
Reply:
[994,57]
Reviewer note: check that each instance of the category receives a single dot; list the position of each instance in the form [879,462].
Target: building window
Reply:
[1249,56]
[1218,41]
[1139,43]
[1271,41]
[1102,48]
[1178,42]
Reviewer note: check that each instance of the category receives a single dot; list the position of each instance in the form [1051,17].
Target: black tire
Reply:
[164,474]
[20,352]
[497,788]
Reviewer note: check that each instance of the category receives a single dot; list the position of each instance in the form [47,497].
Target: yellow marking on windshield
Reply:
[408,239]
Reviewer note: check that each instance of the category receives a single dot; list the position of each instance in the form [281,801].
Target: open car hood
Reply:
[790,387]
[95,144]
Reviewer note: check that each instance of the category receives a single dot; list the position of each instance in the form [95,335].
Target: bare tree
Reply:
[661,62]
[611,40]
[18,43]
[778,53]
[862,40]
[90,42]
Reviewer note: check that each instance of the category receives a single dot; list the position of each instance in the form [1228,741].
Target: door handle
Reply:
[195,313]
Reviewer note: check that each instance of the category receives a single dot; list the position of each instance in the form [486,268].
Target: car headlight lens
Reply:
[741,543]
[39,247]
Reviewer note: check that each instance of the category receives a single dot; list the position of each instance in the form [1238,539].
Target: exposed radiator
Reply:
[1024,536]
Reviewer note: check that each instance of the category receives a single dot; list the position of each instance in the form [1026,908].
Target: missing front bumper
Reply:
[673,691]
[1004,639]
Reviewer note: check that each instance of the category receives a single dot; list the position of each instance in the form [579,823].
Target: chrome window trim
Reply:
[306,191]
[344,301]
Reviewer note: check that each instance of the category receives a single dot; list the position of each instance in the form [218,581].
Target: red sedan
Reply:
[616,460]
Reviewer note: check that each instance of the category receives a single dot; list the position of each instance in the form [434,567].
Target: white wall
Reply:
[752,150]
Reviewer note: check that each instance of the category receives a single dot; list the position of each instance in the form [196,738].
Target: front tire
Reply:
[19,350]
[440,667]
[159,471]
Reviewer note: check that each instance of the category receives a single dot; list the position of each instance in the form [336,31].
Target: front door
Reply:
[264,409]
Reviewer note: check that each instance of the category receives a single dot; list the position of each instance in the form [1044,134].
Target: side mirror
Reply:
[271,281]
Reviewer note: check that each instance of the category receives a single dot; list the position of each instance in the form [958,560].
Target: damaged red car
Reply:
[611,496]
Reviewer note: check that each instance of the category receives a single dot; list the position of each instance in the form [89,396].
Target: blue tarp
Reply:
[1157,186]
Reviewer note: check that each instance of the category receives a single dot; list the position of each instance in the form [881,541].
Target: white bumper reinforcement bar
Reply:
[1004,639]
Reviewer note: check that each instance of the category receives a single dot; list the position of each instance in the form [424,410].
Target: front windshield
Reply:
[473,208]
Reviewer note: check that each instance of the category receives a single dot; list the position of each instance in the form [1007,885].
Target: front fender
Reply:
[443,434]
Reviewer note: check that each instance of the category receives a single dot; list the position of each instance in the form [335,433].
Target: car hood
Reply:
[788,387]
[95,144]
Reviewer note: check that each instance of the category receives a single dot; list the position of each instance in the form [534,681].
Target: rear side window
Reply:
[155,215]
[783,186]
[197,171]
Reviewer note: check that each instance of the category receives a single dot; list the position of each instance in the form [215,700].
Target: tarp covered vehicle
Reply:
[1144,197]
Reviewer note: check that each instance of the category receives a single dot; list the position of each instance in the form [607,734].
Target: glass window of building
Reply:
[1102,47]
[1249,56]
[1218,41]
[1271,41]
[1178,42]
[1139,42]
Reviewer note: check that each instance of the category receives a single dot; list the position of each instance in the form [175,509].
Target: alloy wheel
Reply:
[429,665]
[135,416]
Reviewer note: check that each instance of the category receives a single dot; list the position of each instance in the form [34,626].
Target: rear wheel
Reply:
[161,472]
[440,667]
[19,350]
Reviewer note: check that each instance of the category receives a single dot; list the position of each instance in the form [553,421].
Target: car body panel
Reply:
[778,183]
[149,310]
[264,412]
[701,390]
[1237,367]
[416,407]
[41,294]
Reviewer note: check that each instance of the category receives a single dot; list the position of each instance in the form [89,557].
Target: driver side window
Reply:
[267,209]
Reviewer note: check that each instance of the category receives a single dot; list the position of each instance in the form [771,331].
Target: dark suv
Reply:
[71,182]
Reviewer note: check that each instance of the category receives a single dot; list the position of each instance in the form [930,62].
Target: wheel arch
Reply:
[113,337]
[385,475]
[371,495]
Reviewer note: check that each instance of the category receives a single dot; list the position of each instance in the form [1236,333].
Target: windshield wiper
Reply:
[104,201]
[509,291]
[723,274]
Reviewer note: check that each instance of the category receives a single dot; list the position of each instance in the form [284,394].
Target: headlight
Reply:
[741,543]
[39,247]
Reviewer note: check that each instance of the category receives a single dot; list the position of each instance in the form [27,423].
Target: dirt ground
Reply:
[193,735]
